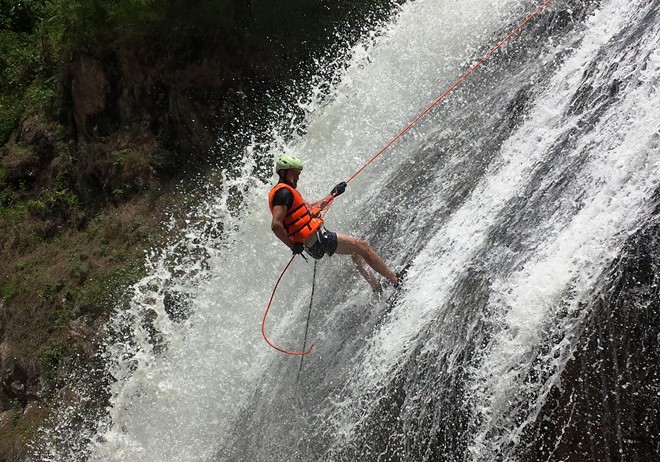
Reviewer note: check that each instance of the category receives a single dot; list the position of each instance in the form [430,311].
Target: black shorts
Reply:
[326,244]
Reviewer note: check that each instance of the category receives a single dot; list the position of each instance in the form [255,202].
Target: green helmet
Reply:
[287,161]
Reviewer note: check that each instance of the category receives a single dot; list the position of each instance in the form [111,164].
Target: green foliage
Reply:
[17,410]
[6,197]
[39,94]
[49,361]
[36,208]
[20,16]
[96,227]
[63,201]
[98,25]
[49,290]
[103,250]
[8,291]
[79,270]
[28,58]
[63,315]
[119,157]
[10,111]
[100,294]
[59,204]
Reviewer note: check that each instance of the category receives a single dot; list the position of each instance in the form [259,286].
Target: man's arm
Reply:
[277,225]
[326,201]
[322,204]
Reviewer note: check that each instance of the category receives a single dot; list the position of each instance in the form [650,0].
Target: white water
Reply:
[180,402]
[622,173]
[176,406]
[619,178]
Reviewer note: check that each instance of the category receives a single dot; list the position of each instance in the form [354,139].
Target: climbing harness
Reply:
[323,212]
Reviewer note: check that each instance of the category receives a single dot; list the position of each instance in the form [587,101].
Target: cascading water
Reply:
[518,203]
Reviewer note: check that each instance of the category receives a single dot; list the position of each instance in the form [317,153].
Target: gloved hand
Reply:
[339,189]
[298,248]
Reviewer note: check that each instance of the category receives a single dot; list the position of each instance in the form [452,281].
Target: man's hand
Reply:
[297,248]
[339,189]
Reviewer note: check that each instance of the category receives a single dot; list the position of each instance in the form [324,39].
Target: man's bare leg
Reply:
[348,245]
[362,268]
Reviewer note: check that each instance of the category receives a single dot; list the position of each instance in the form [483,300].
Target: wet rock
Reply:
[149,317]
[178,305]
[82,333]
[14,385]
[29,151]
[19,382]
[608,406]
[89,91]
[33,411]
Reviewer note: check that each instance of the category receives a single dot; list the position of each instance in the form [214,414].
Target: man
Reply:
[298,224]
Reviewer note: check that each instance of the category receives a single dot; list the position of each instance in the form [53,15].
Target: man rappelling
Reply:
[299,225]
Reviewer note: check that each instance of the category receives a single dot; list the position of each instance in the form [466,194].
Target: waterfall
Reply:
[520,204]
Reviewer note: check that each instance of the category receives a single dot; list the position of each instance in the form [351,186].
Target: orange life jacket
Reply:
[300,220]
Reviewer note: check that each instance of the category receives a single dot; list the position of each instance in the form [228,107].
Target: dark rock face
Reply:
[29,152]
[89,94]
[18,384]
[137,87]
[135,119]
[137,97]
[608,407]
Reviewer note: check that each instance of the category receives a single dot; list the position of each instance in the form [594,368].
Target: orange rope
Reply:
[263,321]
[454,85]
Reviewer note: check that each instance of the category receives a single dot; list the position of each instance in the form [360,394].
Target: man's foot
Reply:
[400,276]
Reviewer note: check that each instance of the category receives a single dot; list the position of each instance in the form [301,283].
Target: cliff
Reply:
[110,115]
